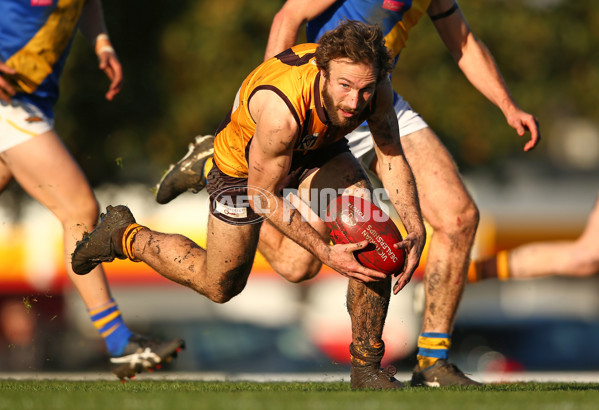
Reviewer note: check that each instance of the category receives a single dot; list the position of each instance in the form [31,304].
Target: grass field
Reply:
[178,395]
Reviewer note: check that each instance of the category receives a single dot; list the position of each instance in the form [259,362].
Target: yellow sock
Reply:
[432,347]
[128,238]
[109,322]
[495,267]
[503,265]
[364,355]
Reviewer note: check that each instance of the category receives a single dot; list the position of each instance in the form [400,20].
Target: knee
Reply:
[224,288]
[84,213]
[301,274]
[585,262]
[219,294]
[89,211]
[296,272]
[471,218]
[460,224]
[220,298]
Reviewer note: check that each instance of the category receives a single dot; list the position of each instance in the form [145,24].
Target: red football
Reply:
[354,219]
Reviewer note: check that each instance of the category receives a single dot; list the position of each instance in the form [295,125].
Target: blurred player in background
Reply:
[287,129]
[446,204]
[578,258]
[34,43]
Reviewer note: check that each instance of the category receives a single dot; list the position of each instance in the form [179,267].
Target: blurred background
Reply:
[183,64]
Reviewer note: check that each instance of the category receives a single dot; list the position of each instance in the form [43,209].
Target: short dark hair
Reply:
[359,42]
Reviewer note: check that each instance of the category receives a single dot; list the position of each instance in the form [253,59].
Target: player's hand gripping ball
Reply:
[354,219]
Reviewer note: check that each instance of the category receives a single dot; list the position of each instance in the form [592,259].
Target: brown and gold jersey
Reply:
[294,76]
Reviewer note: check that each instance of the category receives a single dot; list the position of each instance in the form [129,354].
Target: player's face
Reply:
[347,91]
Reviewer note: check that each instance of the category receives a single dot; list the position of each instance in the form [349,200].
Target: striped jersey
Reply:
[396,19]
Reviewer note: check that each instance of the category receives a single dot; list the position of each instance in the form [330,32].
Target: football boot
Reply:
[144,353]
[187,174]
[442,373]
[104,243]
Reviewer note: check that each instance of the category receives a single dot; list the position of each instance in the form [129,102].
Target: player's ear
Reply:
[324,74]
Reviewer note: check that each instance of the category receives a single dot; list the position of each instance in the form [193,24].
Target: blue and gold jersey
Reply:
[396,18]
[35,38]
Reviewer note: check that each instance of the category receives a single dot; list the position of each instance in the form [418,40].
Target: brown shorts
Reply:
[229,199]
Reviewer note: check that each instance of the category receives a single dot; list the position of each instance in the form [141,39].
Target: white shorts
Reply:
[360,140]
[19,122]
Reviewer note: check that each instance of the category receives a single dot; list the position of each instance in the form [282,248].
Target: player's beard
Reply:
[332,111]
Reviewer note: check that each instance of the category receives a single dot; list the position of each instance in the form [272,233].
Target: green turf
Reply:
[183,395]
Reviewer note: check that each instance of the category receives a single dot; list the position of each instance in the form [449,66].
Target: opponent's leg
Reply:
[45,169]
[585,258]
[449,209]
[47,172]
[538,259]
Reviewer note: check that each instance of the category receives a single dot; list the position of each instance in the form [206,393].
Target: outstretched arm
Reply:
[479,67]
[287,22]
[94,29]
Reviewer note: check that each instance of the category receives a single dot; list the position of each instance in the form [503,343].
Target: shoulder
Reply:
[291,75]
[298,55]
